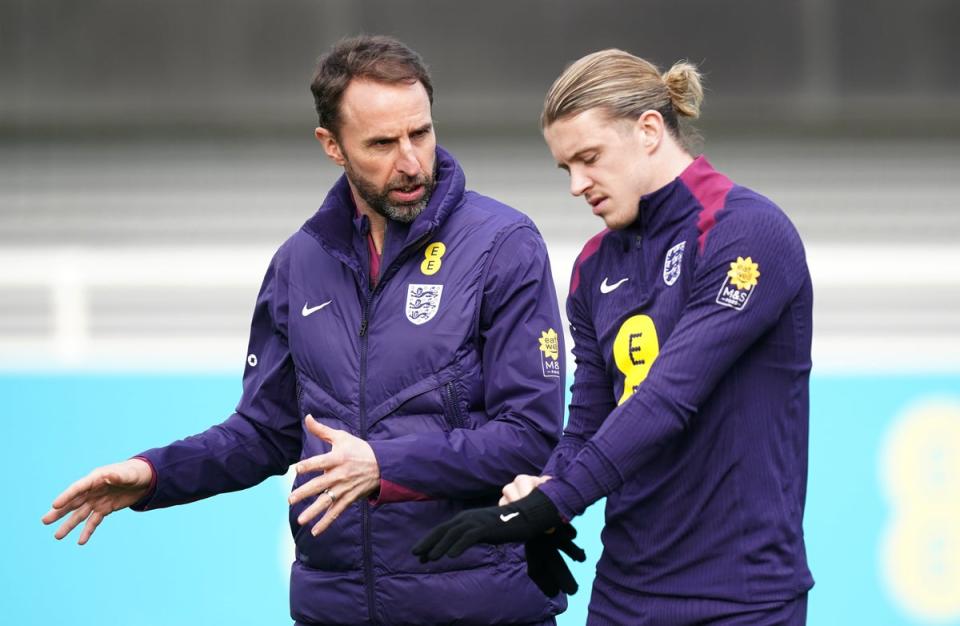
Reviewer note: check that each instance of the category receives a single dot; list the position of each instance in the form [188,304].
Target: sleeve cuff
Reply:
[390,457]
[588,478]
[392,492]
[143,503]
[562,495]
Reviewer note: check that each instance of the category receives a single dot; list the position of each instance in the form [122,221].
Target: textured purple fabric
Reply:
[689,408]
[611,605]
[454,406]
[588,251]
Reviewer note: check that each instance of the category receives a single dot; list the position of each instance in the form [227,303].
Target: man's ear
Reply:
[330,145]
[650,127]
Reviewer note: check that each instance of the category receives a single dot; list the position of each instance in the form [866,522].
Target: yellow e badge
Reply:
[432,258]
[634,350]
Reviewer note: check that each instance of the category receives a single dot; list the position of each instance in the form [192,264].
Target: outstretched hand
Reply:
[348,472]
[98,494]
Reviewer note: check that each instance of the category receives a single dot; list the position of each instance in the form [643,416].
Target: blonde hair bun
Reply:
[685,88]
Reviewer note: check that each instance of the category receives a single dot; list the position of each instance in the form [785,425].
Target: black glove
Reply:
[518,521]
[546,567]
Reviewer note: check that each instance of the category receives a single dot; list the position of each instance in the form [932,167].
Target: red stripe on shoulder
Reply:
[588,251]
[710,188]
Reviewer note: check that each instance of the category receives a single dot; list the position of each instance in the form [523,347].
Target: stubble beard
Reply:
[379,199]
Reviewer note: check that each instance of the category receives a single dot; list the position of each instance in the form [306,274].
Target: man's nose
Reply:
[579,183]
[407,163]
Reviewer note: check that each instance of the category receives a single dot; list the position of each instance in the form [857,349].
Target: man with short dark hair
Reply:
[415,326]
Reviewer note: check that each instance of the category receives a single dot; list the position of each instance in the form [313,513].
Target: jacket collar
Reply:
[669,204]
[336,224]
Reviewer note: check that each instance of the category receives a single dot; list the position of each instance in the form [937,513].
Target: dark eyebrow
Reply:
[379,139]
[372,141]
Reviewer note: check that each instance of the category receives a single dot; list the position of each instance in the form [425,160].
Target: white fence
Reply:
[877,307]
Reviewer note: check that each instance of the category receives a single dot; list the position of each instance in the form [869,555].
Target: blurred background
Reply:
[153,155]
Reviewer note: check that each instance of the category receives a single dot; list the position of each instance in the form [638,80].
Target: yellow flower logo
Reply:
[550,344]
[744,273]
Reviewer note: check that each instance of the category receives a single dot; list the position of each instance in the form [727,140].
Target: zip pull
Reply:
[363,327]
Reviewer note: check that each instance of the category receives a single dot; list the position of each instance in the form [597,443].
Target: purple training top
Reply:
[689,407]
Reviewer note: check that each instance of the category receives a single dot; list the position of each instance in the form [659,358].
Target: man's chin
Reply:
[403,213]
[617,220]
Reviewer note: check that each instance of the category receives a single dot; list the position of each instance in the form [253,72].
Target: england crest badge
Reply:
[672,263]
[423,301]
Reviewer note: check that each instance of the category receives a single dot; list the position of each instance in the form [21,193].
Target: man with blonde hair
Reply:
[691,315]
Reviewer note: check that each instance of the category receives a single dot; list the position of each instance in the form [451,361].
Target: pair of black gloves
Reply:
[533,520]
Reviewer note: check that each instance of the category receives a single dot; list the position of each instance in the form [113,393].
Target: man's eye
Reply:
[590,160]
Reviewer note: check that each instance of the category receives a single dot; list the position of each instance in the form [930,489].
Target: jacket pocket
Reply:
[452,411]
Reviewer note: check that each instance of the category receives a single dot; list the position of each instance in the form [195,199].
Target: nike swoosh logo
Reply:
[308,310]
[605,288]
[507,518]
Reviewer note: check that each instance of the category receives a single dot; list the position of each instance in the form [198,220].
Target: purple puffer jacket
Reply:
[451,368]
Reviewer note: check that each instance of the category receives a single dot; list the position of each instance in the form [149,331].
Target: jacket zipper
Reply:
[451,401]
[364,504]
[638,244]
[299,394]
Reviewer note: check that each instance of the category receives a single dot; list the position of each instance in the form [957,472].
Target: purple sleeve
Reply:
[714,329]
[591,395]
[522,388]
[262,438]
